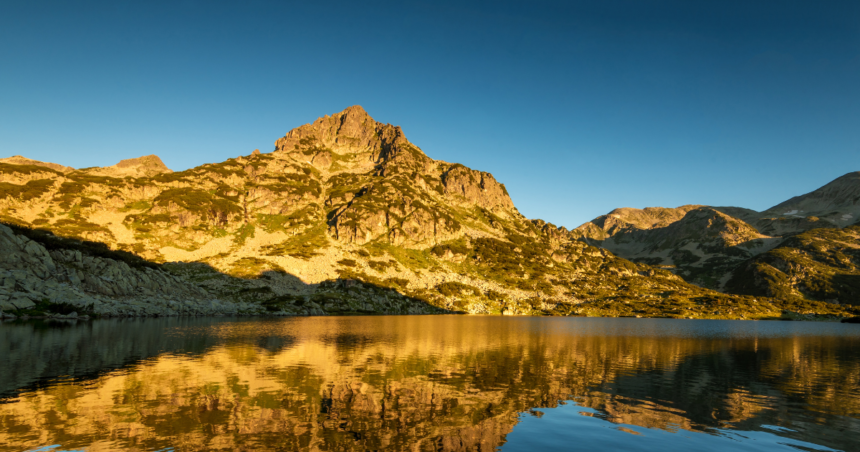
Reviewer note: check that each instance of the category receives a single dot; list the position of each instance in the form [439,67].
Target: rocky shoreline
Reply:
[66,284]
[40,279]
[62,282]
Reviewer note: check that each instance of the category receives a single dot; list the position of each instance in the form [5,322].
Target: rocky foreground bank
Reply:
[42,279]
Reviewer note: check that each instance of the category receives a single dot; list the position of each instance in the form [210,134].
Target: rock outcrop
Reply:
[71,282]
[146,166]
[476,188]
[387,187]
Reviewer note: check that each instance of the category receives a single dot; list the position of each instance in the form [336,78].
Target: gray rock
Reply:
[22,302]
[39,271]
[33,249]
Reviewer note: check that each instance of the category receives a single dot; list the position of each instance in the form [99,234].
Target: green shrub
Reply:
[31,190]
[456,289]
[253,267]
[8,168]
[304,246]
[382,266]
[457,247]
[245,232]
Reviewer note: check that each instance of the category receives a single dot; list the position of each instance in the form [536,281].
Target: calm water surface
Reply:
[429,383]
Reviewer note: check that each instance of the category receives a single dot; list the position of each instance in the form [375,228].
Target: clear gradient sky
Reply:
[578,107]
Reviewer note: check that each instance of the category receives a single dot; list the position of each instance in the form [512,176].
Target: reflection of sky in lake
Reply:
[430,383]
[573,427]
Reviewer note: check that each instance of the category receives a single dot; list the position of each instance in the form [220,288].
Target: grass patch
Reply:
[207,205]
[457,289]
[304,246]
[243,234]
[8,168]
[253,267]
[31,190]
[301,218]
[409,258]
[382,266]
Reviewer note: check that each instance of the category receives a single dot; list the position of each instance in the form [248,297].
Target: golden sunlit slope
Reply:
[344,199]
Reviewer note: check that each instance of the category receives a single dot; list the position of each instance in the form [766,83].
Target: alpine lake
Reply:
[429,383]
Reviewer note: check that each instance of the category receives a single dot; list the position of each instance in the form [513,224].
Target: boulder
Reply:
[21,301]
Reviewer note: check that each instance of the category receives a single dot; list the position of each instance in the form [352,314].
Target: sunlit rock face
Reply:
[344,198]
[410,383]
[347,198]
[146,166]
[409,198]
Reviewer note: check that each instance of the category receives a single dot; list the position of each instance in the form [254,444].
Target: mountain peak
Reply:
[151,161]
[350,136]
[355,110]
[147,165]
[628,218]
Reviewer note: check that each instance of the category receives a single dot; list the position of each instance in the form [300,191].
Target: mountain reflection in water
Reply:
[429,383]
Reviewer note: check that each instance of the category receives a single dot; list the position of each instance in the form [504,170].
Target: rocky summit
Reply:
[346,215]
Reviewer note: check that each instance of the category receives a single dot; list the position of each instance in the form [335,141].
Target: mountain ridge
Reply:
[20,160]
[764,264]
[347,215]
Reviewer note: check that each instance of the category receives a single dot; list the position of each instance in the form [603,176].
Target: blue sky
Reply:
[578,107]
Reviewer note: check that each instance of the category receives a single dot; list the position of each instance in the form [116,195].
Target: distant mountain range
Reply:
[805,247]
[346,215]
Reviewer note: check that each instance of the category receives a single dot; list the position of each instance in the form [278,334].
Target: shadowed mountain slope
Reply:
[821,264]
[704,244]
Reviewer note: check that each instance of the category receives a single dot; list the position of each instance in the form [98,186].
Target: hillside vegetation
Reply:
[347,216]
